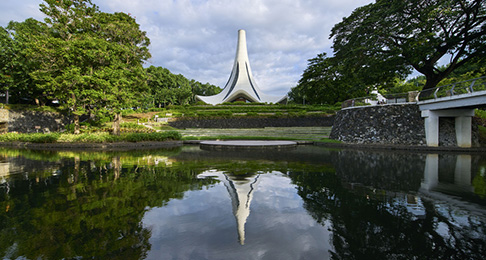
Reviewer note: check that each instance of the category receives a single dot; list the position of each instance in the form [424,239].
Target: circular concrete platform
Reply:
[219,145]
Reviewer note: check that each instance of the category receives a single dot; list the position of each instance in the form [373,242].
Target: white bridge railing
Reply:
[458,88]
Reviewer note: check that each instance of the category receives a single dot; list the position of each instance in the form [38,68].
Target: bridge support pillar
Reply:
[463,119]
[463,131]
[431,128]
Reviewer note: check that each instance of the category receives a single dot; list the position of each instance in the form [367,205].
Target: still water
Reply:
[187,203]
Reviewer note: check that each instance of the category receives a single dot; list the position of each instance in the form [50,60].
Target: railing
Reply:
[462,87]
[374,100]
[458,88]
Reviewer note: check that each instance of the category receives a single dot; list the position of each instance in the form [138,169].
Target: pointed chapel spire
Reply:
[241,85]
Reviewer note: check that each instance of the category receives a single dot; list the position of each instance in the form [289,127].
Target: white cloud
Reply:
[197,38]
[202,225]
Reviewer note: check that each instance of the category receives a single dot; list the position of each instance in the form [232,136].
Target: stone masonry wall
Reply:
[400,124]
[34,121]
[392,124]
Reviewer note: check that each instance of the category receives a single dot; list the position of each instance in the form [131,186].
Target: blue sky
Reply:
[197,38]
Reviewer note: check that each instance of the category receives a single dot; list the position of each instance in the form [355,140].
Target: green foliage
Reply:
[95,137]
[325,81]
[480,113]
[16,43]
[159,136]
[87,60]
[401,86]
[132,125]
[167,89]
[32,138]
[240,103]
[479,184]
[229,110]
[218,113]
[385,40]
[203,90]
[482,134]
[92,210]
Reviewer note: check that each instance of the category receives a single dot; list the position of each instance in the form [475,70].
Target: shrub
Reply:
[159,136]
[32,138]
[190,114]
[130,125]
[480,113]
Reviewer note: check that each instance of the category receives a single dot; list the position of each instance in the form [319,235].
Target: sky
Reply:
[197,38]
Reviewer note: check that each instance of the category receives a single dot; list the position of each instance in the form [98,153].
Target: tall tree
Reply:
[15,67]
[324,82]
[128,46]
[206,89]
[388,38]
[91,61]
[168,88]
[6,57]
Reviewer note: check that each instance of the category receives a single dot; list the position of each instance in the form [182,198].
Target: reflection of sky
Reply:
[459,218]
[202,226]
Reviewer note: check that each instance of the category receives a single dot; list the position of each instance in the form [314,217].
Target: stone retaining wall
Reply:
[24,121]
[400,124]
[252,122]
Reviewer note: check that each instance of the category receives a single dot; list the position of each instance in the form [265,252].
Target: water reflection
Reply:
[187,203]
[240,189]
[460,182]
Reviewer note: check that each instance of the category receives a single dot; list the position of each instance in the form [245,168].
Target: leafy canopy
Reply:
[387,38]
[89,60]
[381,43]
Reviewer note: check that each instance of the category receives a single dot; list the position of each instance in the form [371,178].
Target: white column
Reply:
[431,172]
[431,128]
[463,131]
[462,173]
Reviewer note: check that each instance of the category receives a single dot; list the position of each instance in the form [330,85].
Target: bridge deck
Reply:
[468,100]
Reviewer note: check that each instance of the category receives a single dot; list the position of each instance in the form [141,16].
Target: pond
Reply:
[309,202]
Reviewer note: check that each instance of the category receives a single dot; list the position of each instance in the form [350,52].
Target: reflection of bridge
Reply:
[451,190]
[458,103]
[462,175]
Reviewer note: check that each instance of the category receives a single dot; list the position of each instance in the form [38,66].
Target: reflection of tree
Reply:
[390,171]
[91,210]
[479,184]
[479,181]
[365,228]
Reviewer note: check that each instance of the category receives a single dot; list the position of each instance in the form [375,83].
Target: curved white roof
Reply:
[241,83]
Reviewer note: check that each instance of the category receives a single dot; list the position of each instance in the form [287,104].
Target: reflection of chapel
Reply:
[240,189]
[241,85]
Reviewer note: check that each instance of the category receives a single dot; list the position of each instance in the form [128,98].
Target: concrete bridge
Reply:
[456,100]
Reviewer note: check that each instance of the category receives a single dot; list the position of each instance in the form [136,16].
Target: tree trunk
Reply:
[116,124]
[76,124]
[431,82]
[116,164]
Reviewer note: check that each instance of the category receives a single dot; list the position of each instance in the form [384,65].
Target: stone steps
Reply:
[284,132]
